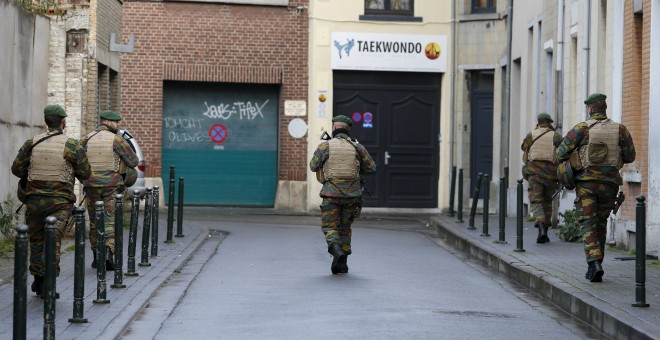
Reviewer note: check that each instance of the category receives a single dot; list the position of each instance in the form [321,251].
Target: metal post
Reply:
[101,285]
[179,211]
[640,249]
[484,231]
[145,229]
[502,210]
[475,200]
[132,234]
[154,223]
[119,242]
[459,211]
[452,191]
[20,282]
[170,208]
[49,278]
[519,219]
[79,271]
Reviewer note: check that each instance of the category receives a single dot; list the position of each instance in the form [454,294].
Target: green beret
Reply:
[110,115]
[342,119]
[54,110]
[594,97]
[544,115]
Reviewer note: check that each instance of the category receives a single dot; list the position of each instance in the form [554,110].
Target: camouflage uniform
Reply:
[49,198]
[342,198]
[103,185]
[596,186]
[541,176]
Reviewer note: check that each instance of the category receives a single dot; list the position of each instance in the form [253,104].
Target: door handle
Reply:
[387,158]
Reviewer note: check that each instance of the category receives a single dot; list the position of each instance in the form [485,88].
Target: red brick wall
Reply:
[212,42]
[636,66]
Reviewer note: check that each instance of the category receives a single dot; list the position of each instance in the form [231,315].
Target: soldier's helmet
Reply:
[565,175]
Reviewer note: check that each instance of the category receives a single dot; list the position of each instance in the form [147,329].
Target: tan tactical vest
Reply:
[47,161]
[542,149]
[100,152]
[603,147]
[342,161]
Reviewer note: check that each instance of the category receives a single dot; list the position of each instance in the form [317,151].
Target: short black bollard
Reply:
[452,191]
[179,211]
[49,277]
[20,282]
[170,208]
[101,285]
[484,231]
[79,268]
[519,219]
[119,242]
[145,229]
[640,257]
[502,210]
[459,211]
[475,200]
[154,222]
[132,234]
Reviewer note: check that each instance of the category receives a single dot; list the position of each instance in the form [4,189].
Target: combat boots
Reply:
[541,238]
[342,265]
[338,256]
[38,285]
[94,260]
[109,260]
[544,232]
[595,272]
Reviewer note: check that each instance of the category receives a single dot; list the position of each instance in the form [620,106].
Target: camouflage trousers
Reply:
[540,193]
[37,209]
[337,215]
[107,195]
[593,203]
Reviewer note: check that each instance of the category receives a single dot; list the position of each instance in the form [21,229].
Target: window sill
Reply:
[371,17]
[479,17]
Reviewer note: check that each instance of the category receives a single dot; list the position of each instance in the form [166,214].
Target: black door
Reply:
[481,139]
[396,117]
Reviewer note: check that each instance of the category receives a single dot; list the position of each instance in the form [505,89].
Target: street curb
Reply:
[602,316]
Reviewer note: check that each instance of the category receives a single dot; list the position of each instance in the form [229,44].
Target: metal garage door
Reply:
[222,138]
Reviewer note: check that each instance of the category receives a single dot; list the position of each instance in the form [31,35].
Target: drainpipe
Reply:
[452,119]
[586,50]
[506,110]
[559,106]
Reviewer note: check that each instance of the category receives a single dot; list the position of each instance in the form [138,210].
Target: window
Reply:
[389,7]
[484,6]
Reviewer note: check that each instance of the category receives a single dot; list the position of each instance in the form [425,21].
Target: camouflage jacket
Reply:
[108,178]
[543,169]
[339,187]
[579,136]
[73,153]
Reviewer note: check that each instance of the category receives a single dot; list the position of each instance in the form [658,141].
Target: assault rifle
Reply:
[618,202]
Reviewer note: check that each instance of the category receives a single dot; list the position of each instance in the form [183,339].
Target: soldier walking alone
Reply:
[339,163]
[540,171]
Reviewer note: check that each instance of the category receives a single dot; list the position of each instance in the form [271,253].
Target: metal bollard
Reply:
[49,277]
[132,234]
[452,190]
[145,229]
[79,271]
[119,242]
[459,211]
[502,210]
[519,219]
[170,208]
[101,285]
[179,211]
[20,282]
[640,257]
[475,200]
[484,231]
[154,223]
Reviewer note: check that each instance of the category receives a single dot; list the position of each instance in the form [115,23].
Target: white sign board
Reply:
[389,52]
[295,108]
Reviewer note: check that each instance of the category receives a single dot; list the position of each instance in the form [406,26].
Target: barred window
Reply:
[389,7]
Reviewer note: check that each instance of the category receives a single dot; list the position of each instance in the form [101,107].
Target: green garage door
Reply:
[222,138]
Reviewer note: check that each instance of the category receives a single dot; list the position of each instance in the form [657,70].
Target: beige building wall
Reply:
[332,16]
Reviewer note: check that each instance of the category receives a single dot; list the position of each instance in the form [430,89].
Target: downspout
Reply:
[452,119]
[506,110]
[586,50]
[559,105]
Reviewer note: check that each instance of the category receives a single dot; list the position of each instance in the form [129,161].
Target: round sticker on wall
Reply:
[356,117]
[297,128]
[368,117]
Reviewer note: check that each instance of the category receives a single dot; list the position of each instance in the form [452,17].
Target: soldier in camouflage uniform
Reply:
[540,171]
[339,162]
[597,150]
[111,158]
[49,162]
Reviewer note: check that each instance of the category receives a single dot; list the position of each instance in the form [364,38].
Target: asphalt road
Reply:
[269,278]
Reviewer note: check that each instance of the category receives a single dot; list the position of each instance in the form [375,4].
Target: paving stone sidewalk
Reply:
[556,270]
